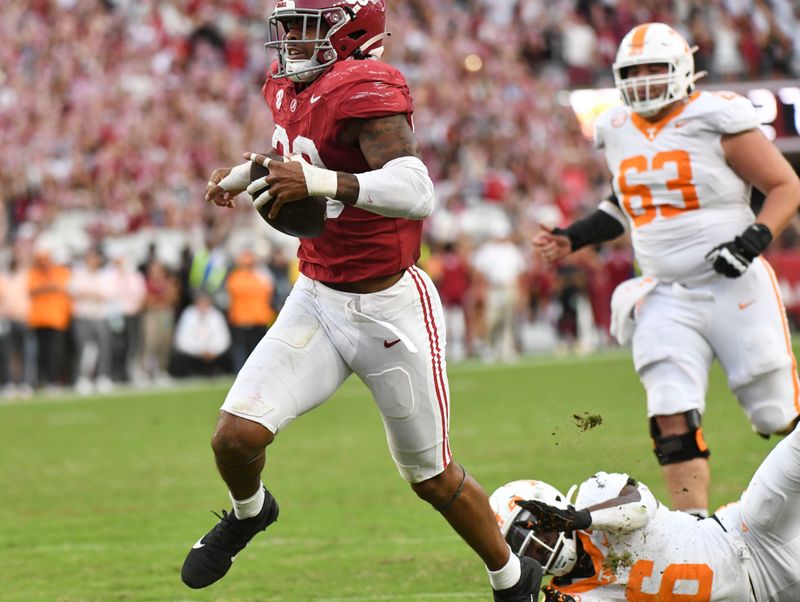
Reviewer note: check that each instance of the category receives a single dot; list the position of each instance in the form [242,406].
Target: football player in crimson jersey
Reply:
[617,543]
[683,164]
[343,119]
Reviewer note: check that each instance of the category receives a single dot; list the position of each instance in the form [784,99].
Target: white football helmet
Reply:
[654,43]
[564,553]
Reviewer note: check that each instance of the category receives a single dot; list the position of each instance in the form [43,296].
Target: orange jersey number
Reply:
[682,183]
[642,569]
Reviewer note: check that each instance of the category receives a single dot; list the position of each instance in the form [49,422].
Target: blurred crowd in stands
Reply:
[113,113]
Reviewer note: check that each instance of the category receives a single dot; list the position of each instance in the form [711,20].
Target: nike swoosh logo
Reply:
[314,98]
[387,344]
[199,544]
[746,305]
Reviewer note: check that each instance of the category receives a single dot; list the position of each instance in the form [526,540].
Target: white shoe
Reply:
[84,386]
[163,379]
[104,385]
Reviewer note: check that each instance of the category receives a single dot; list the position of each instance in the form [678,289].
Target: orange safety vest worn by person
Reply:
[250,293]
[50,305]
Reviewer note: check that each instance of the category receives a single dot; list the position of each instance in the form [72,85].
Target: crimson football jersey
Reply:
[355,244]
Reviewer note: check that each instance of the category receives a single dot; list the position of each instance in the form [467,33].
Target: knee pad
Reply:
[672,388]
[673,449]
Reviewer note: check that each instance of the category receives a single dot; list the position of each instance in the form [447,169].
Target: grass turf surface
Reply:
[102,497]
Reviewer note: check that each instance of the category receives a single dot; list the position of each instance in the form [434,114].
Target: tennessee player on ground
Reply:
[682,166]
[618,543]
[360,305]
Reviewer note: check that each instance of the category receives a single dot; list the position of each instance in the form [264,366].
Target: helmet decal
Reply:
[637,39]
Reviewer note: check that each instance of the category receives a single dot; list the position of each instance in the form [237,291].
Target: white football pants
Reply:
[394,340]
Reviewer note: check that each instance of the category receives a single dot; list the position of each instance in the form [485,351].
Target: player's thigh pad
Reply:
[770,515]
[670,352]
[293,369]
[770,400]
[750,333]
[400,355]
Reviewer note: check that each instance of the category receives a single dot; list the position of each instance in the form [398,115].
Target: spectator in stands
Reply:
[576,324]
[202,340]
[90,288]
[208,269]
[580,49]
[128,296]
[571,293]
[284,272]
[502,267]
[22,342]
[451,272]
[158,320]
[50,315]
[249,305]
[6,388]
[183,277]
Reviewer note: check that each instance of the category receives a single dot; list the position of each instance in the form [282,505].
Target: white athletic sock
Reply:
[251,506]
[507,576]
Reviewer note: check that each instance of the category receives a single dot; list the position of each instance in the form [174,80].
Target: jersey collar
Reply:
[651,129]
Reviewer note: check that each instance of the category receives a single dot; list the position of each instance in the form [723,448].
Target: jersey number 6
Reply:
[643,569]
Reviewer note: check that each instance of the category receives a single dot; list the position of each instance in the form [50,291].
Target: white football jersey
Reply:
[674,556]
[674,186]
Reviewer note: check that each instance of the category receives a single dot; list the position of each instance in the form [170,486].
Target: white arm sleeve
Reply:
[401,188]
[626,517]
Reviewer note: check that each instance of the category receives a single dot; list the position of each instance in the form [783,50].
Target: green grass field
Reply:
[102,497]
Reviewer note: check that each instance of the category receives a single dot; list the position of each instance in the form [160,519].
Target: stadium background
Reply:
[112,116]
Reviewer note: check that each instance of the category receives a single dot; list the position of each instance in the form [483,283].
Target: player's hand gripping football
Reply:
[290,181]
[550,518]
[550,245]
[732,258]
[285,183]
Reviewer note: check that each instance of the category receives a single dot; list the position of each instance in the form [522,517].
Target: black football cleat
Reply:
[527,588]
[212,556]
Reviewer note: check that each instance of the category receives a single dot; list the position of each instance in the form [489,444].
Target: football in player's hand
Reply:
[304,218]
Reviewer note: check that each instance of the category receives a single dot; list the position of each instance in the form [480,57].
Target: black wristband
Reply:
[595,228]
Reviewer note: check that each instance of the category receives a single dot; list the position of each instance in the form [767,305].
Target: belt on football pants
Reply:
[370,285]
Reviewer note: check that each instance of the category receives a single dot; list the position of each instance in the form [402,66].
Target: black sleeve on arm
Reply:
[595,228]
